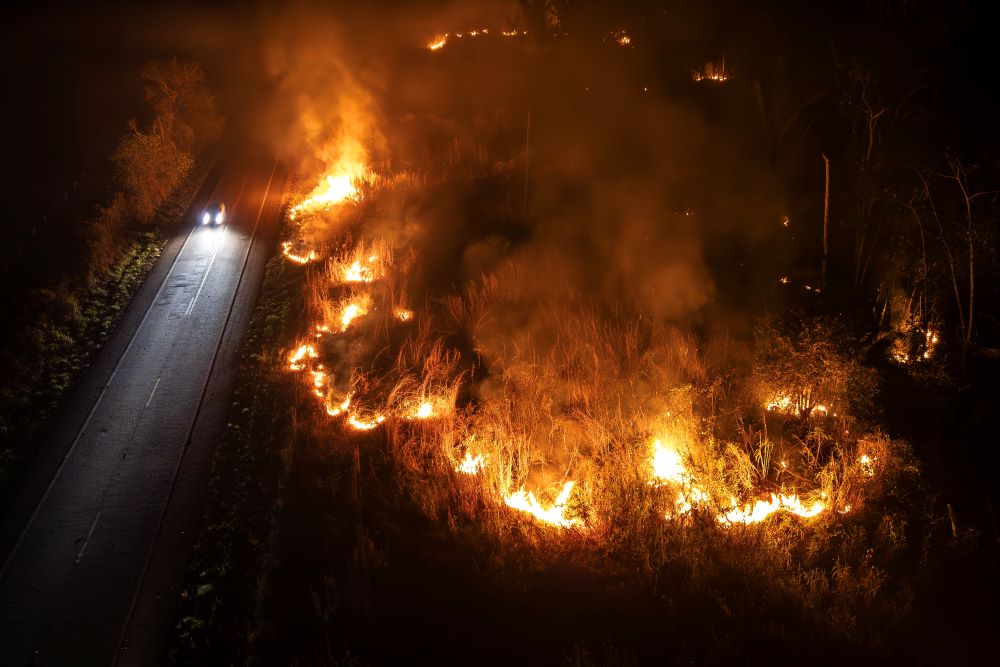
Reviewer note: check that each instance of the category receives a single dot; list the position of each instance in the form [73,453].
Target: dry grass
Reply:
[548,386]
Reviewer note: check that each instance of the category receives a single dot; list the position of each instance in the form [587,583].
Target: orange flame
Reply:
[554,515]
[298,354]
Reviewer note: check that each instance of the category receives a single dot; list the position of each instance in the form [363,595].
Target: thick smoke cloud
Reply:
[631,189]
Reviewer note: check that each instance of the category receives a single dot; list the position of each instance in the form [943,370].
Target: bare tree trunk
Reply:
[826,221]
[947,252]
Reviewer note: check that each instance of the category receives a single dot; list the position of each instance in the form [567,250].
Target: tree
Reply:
[149,166]
[186,111]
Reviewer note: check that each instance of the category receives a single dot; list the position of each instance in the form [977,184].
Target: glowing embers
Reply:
[402,314]
[867,465]
[298,357]
[759,510]
[553,515]
[914,344]
[290,250]
[442,39]
[618,37]
[333,189]
[711,71]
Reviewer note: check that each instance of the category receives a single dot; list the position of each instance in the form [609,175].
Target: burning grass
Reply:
[517,410]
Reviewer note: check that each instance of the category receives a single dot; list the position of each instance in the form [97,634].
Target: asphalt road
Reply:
[97,537]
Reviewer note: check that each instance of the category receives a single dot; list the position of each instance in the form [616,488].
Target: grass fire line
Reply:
[413,401]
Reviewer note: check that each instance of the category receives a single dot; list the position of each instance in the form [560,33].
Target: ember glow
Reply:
[553,515]
[711,71]
[441,40]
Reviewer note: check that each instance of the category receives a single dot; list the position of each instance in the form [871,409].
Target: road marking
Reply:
[104,389]
[157,384]
[194,421]
[201,286]
[86,541]
[218,244]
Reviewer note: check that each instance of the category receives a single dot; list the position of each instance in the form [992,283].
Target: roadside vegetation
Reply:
[68,315]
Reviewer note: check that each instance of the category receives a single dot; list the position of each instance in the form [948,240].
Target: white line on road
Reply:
[194,420]
[86,422]
[157,384]
[218,244]
[86,541]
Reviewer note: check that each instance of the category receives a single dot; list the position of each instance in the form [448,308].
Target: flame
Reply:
[761,509]
[298,354]
[359,424]
[780,403]
[318,381]
[403,315]
[337,410]
[867,464]
[554,515]
[424,411]
[330,190]
[286,250]
[668,467]
[352,311]
[711,71]
[441,39]
[471,465]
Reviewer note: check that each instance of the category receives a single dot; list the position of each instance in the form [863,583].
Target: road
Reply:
[96,539]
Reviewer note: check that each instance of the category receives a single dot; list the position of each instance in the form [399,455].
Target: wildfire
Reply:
[359,424]
[287,251]
[668,467]
[298,354]
[331,190]
[318,381]
[761,509]
[352,311]
[337,410]
[555,515]
[711,71]
[867,464]
[402,314]
[441,40]
[471,465]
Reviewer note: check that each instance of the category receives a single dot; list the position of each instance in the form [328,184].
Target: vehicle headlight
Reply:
[207,218]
